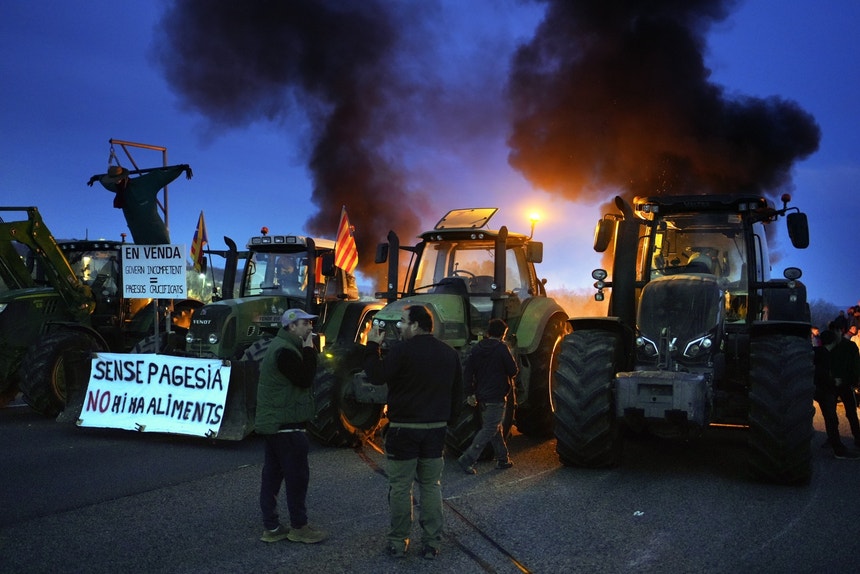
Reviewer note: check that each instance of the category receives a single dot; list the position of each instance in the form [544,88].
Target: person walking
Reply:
[425,393]
[834,365]
[488,374]
[284,405]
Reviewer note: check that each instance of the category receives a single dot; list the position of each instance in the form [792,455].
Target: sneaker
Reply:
[275,535]
[467,468]
[396,551]
[307,534]
[429,552]
[503,464]
[846,454]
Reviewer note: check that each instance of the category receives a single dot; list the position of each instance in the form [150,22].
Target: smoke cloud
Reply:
[335,62]
[616,95]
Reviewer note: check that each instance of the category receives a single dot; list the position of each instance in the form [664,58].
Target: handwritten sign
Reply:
[154,271]
[156,393]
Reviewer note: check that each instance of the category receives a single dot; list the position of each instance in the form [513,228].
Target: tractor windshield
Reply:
[706,243]
[474,263]
[275,274]
[700,243]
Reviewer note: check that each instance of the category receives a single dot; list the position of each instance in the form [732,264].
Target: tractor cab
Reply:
[491,271]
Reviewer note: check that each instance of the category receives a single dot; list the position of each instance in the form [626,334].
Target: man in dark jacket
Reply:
[284,404]
[488,373]
[425,393]
[837,367]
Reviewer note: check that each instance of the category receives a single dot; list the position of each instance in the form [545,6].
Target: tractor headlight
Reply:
[189,338]
[697,346]
[213,338]
[646,346]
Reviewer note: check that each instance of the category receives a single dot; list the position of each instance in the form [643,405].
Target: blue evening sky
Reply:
[75,74]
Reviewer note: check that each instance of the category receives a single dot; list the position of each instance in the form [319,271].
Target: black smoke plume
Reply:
[615,95]
[237,62]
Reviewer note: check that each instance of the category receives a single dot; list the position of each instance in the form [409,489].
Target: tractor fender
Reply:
[64,326]
[536,313]
[614,325]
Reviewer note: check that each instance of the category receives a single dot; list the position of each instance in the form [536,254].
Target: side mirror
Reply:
[381,253]
[327,264]
[798,229]
[603,234]
[534,251]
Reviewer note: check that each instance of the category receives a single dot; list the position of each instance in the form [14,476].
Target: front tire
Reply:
[535,418]
[781,410]
[586,428]
[45,375]
[340,419]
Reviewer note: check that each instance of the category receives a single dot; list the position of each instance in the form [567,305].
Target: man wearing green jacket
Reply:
[284,404]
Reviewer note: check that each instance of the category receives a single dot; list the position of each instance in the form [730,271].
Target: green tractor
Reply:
[698,335]
[60,300]
[466,274]
[280,272]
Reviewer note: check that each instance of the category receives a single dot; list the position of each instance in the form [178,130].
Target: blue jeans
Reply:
[286,461]
[492,432]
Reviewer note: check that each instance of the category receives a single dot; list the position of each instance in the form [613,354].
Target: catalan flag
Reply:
[197,244]
[345,251]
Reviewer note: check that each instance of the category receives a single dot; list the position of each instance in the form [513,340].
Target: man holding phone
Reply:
[425,394]
[284,405]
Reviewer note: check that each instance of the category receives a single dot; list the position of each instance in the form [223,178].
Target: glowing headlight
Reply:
[213,338]
[189,338]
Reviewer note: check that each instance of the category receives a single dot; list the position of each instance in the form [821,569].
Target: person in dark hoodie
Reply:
[836,373]
[489,370]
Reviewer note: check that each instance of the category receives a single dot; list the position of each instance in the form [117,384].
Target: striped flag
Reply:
[197,244]
[345,252]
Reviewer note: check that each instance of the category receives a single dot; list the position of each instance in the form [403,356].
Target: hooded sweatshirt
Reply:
[489,371]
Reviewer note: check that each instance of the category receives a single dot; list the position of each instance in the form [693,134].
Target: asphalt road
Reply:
[95,500]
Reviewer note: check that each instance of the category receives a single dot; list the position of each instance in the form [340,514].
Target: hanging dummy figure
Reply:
[138,199]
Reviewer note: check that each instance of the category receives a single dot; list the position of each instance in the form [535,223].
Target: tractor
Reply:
[465,274]
[698,335]
[60,299]
[280,272]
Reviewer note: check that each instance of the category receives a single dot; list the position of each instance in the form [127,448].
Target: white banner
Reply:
[154,271]
[156,393]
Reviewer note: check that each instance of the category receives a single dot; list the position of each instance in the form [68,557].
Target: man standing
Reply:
[837,366]
[488,373]
[425,391]
[284,404]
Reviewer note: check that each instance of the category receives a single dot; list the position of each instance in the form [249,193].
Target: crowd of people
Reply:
[837,376]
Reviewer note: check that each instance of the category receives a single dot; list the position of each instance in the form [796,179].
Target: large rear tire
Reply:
[534,417]
[44,373]
[586,429]
[781,409]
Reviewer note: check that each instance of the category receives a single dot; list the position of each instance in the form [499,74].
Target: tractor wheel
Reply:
[257,350]
[44,373]
[168,343]
[340,419]
[460,436]
[534,417]
[586,429]
[781,410]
